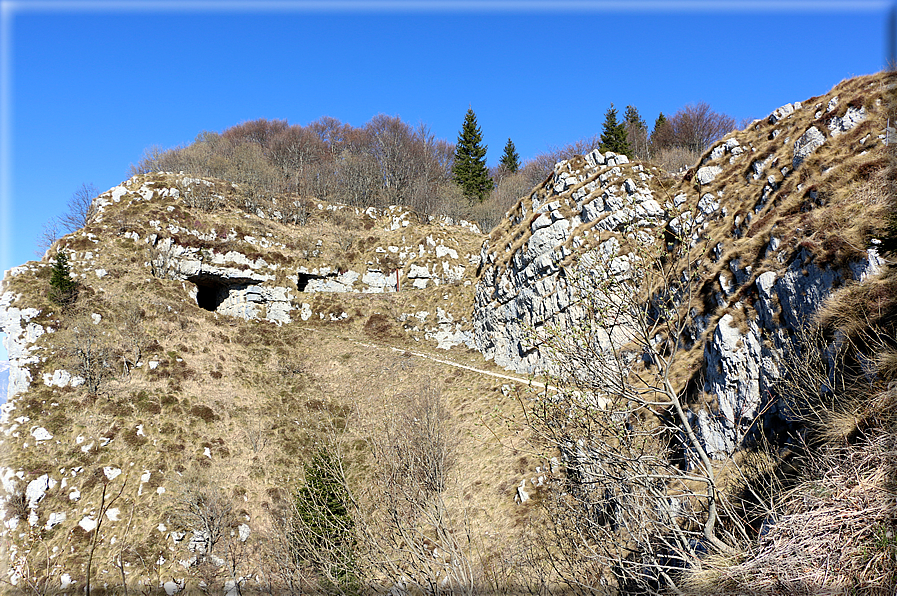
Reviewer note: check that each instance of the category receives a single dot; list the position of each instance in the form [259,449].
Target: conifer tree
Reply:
[63,289]
[662,135]
[636,132]
[633,117]
[613,137]
[469,169]
[510,160]
[324,534]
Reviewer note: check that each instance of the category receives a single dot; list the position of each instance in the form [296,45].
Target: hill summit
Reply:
[289,395]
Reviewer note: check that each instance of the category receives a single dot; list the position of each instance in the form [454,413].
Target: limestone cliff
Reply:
[786,212]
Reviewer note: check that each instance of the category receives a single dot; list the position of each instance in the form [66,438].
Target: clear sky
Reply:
[88,85]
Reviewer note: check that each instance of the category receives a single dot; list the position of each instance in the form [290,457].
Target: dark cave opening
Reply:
[210,294]
[302,279]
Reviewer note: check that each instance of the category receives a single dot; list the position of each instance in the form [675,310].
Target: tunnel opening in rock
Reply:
[210,294]
[304,279]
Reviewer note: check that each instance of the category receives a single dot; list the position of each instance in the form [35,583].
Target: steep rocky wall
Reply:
[761,205]
[588,203]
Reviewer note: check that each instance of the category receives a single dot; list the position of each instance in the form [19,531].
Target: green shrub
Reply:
[323,531]
[63,289]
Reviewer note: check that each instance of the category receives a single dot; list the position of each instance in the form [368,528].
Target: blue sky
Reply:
[88,85]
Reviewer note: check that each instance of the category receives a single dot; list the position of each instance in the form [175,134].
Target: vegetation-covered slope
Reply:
[228,348]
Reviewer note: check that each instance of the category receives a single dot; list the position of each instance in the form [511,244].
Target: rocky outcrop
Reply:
[588,202]
[591,208]
[21,334]
[225,278]
[741,368]
[808,142]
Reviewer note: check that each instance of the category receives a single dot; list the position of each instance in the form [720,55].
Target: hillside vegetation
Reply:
[254,390]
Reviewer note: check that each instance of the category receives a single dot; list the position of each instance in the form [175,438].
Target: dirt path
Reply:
[522,381]
[515,379]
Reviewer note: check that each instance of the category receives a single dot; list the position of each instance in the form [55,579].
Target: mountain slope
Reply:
[221,339]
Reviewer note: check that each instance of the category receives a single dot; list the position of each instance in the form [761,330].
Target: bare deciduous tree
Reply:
[134,337]
[90,354]
[80,208]
[105,504]
[415,538]
[694,127]
[202,507]
[639,500]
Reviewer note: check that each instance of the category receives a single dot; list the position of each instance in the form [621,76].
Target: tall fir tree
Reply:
[325,522]
[662,135]
[510,160]
[613,137]
[63,289]
[633,117]
[636,132]
[469,169]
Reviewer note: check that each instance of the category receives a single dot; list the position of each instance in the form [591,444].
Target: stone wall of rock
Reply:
[20,335]
[592,205]
[588,202]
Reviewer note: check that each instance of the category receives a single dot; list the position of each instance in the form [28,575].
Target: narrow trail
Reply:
[515,379]
[527,382]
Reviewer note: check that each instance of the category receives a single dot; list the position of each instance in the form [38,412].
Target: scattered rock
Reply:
[840,125]
[707,174]
[807,144]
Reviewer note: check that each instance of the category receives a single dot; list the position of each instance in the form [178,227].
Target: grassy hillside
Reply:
[178,462]
[189,398]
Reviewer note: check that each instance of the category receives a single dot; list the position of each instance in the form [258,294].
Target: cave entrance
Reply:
[303,279]
[210,294]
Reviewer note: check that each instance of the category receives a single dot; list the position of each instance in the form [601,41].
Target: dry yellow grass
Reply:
[244,403]
[240,403]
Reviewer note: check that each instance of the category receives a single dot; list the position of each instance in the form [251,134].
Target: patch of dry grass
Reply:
[836,533]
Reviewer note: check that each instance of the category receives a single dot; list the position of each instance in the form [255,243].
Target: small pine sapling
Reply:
[63,289]
[323,533]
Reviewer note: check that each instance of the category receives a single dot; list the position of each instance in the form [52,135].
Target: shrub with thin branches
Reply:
[639,501]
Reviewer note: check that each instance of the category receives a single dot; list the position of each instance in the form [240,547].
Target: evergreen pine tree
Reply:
[662,135]
[324,520]
[63,289]
[633,117]
[613,137]
[636,132]
[469,169]
[510,160]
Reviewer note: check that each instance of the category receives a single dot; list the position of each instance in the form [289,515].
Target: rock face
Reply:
[758,296]
[20,337]
[4,380]
[807,144]
[588,201]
